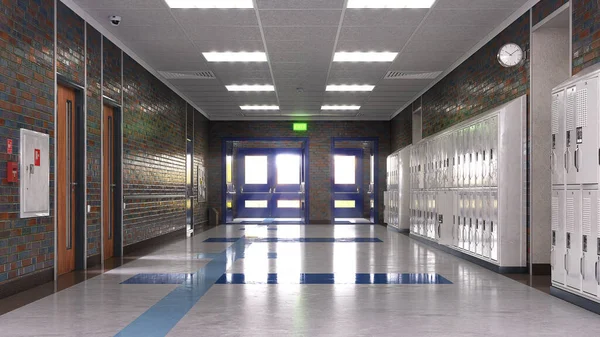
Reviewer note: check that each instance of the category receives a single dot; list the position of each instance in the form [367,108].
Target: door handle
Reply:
[576,158]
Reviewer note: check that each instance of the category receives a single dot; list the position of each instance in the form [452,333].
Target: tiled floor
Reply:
[339,282]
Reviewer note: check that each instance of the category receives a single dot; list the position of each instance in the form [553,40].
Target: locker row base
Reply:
[472,259]
[575,299]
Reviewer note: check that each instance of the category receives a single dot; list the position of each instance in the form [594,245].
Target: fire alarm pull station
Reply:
[34,154]
[12,172]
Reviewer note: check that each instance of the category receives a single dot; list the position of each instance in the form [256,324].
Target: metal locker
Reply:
[485,215]
[589,242]
[462,206]
[455,159]
[414,206]
[469,158]
[573,239]
[586,155]
[464,172]
[558,249]
[445,214]
[476,166]
[473,222]
[422,207]
[558,138]
[455,217]
[479,223]
[494,225]
[570,123]
[431,229]
[493,142]
[422,151]
[485,162]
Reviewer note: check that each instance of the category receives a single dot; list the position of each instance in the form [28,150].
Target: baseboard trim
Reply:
[576,299]
[541,269]
[94,260]
[26,282]
[472,259]
[320,222]
[398,230]
[169,237]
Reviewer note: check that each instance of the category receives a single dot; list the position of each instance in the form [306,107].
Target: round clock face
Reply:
[510,55]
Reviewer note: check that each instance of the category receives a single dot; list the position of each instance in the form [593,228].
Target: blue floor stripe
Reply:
[164,315]
[329,278]
[287,240]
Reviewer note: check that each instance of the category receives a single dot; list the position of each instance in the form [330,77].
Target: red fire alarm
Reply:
[12,172]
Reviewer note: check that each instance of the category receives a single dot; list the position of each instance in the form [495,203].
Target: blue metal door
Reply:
[255,176]
[348,197]
[288,198]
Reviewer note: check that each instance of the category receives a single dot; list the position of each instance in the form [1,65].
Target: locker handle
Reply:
[566,155]
[552,251]
[576,158]
[581,267]
[439,231]
[596,273]
[566,263]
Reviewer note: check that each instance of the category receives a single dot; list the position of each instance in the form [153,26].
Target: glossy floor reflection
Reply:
[350,288]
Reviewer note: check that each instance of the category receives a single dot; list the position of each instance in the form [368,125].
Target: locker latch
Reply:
[568,240]
[554,238]
[585,243]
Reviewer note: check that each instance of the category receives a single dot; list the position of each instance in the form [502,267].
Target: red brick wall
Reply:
[320,135]
[586,34]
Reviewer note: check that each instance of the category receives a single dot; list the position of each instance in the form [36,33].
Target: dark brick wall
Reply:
[544,8]
[479,84]
[319,134]
[26,101]
[401,130]
[200,158]
[112,70]
[586,34]
[94,140]
[70,46]
[154,143]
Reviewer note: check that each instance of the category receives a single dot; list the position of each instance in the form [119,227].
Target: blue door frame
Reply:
[229,192]
[375,193]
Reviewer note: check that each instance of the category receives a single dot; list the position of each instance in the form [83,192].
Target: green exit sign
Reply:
[300,127]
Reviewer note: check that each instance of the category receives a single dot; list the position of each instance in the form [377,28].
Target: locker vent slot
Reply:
[554,213]
[587,216]
[582,108]
[555,114]
[570,215]
[571,109]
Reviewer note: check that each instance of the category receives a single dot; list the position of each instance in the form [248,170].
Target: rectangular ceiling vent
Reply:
[411,75]
[188,75]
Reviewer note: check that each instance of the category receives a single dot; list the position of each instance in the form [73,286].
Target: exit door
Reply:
[270,183]
[348,197]
[108,186]
[66,177]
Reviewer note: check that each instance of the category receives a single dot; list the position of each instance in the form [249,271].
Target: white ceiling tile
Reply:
[174,58]
[312,57]
[472,17]
[168,65]
[384,17]
[300,18]
[224,33]
[121,4]
[135,17]
[425,61]
[470,4]
[300,4]
[440,45]
[300,33]
[229,45]
[148,33]
[193,18]
[162,47]
[446,33]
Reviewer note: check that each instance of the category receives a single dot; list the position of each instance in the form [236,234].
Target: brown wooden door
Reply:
[108,169]
[65,180]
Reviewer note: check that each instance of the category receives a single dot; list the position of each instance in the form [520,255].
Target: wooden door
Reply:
[108,186]
[65,179]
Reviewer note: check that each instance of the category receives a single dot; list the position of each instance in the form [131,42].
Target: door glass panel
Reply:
[256,204]
[228,170]
[345,170]
[256,171]
[345,204]
[288,169]
[288,203]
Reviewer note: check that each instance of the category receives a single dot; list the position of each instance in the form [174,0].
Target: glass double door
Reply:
[348,191]
[271,184]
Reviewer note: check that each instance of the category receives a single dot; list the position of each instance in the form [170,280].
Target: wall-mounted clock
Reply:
[510,55]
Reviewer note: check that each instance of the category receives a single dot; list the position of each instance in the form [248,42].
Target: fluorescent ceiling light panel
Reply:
[251,87]
[340,107]
[210,3]
[235,57]
[390,3]
[259,107]
[364,57]
[350,87]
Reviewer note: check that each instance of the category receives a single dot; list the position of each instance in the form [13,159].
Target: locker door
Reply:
[485,215]
[493,142]
[445,204]
[413,211]
[421,166]
[494,225]
[573,221]
[461,220]
[589,272]
[558,138]
[558,251]
[485,154]
[570,118]
[477,154]
[479,223]
[455,217]
[585,158]
[464,179]
[473,222]
[432,216]
[455,160]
